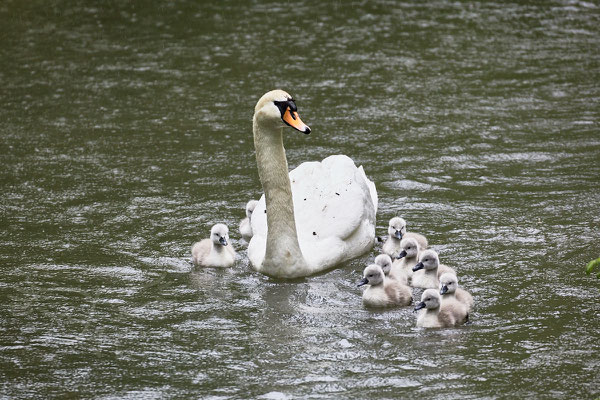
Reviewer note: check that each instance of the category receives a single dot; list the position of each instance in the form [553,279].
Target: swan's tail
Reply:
[371,186]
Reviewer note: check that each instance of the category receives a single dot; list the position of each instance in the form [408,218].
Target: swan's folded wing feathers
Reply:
[330,197]
[258,243]
[333,211]
[371,186]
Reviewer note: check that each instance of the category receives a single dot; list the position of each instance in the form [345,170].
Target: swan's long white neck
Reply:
[283,257]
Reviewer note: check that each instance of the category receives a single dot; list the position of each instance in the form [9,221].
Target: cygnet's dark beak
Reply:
[223,241]
[444,289]
[418,266]
[398,235]
[364,281]
[402,254]
[419,306]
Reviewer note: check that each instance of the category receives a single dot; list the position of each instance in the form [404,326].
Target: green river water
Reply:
[126,133]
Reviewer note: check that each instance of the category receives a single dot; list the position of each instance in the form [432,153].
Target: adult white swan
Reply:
[315,217]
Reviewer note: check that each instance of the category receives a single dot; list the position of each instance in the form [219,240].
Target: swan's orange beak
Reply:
[292,119]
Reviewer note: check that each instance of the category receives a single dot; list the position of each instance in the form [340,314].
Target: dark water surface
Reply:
[125,133]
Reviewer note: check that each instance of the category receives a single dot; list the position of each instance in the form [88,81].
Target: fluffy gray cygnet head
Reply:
[373,275]
[250,206]
[385,262]
[397,227]
[219,234]
[430,299]
[428,260]
[448,283]
[410,248]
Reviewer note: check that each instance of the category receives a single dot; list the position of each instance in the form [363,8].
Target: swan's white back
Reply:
[334,207]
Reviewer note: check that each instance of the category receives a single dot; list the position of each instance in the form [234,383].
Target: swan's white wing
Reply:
[334,207]
[371,187]
[331,198]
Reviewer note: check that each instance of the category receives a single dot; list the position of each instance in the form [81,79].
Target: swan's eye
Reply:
[284,105]
[292,105]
